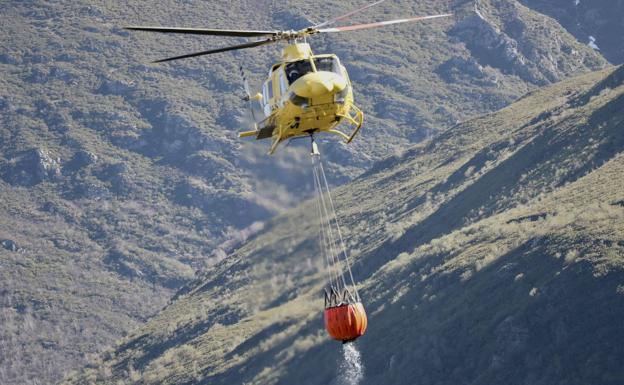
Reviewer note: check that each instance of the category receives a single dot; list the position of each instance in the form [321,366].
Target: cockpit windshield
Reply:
[297,69]
[329,64]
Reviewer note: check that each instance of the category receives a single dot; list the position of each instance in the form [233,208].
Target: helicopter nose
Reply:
[317,84]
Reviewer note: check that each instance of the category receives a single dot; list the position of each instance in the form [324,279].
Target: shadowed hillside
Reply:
[489,254]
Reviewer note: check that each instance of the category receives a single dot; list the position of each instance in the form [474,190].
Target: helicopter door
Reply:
[267,96]
[283,86]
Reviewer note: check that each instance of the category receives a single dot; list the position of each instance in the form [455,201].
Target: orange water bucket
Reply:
[346,322]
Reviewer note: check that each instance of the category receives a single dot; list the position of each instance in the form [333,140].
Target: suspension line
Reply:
[327,224]
[332,242]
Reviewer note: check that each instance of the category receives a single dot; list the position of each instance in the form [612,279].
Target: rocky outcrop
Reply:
[9,245]
[515,42]
[31,167]
[116,87]
[88,190]
[117,176]
[585,19]
[81,159]
[493,47]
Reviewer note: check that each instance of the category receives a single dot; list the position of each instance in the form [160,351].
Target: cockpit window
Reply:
[297,69]
[329,64]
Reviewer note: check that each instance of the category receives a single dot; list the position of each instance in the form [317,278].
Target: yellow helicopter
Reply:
[305,93]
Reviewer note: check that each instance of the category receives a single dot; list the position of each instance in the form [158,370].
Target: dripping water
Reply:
[351,368]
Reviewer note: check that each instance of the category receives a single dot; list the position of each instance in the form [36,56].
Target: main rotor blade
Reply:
[224,49]
[346,15]
[204,31]
[380,24]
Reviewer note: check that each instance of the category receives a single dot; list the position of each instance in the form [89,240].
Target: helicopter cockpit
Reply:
[297,69]
[328,63]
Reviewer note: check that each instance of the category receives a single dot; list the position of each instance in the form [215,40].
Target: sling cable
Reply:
[345,318]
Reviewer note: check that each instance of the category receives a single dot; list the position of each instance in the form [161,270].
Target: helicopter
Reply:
[304,93]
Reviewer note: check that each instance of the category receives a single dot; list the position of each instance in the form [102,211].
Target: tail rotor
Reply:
[247,96]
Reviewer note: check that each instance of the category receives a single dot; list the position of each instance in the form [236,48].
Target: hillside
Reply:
[492,253]
[597,21]
[119,180]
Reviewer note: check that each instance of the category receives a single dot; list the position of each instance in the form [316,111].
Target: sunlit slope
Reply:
[490,254]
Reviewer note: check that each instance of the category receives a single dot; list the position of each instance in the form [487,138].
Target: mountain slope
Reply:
[120,179]
[597,22]
[489,254]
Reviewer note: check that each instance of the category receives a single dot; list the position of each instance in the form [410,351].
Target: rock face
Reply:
[81,159]
[600,21]
[31,167]
[515,42]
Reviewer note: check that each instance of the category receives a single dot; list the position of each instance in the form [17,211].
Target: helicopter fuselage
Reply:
[306,94]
